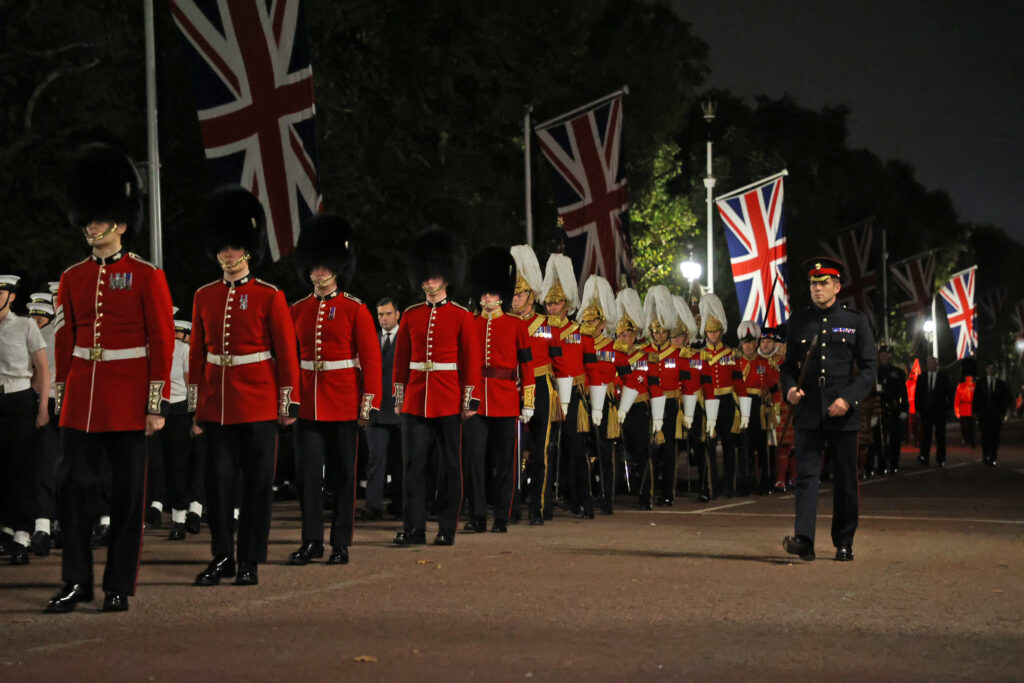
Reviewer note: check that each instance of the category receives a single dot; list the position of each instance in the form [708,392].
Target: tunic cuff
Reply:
[365,407]
[286,407]
[529,396]
[156,404]
[193,397]
[58,397]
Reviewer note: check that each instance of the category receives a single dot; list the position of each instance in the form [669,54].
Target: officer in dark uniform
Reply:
[892,381]
[827,404]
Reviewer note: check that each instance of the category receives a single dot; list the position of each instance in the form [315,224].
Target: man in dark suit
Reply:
[384,432]
[992,399]
[932,398]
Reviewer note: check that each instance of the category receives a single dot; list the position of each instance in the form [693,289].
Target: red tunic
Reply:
[120,303]
[337,329]
[600,364]
[720,372]
[232,320]
[632,369]
[541,339]
[568,348]
[963,404]
[437,363]
[690,365]
[666,363]
[760,378]
[505,348]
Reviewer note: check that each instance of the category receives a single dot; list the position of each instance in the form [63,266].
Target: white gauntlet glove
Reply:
[597,394]
[711,410]
[689,406]
[657,414]
[564,387]
[626,402]
[745,404]
[526,415]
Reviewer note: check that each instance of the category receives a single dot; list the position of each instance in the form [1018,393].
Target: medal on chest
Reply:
[120,281]
[243,302]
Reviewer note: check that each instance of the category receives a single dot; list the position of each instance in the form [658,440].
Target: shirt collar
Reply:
[497,313]
[116,256]
[439,304]
[238,283]
[831,309]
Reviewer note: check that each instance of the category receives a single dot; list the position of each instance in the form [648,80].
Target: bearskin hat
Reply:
[436,252]
[234,217]
[492,270]
[326,240]
[103,185]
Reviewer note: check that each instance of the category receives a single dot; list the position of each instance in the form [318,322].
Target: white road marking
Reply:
[884,517]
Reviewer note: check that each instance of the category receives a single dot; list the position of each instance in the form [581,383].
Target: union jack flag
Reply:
[991,304]
[855,246]
[757,250]
[958,297]
[585,155]
[1018,316]
[254,93]
[916,278]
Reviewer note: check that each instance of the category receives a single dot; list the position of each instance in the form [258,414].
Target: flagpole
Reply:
[935,331]
[156,252]
[527,135]
[590,105]
[885,287]
[709,107]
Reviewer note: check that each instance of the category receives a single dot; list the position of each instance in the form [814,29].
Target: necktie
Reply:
[387,344]
[931,381]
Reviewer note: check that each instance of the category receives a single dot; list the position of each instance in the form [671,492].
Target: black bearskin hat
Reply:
[103,185]
[233,217]
[436,252]
[493,271]
[969,367]
[326,240]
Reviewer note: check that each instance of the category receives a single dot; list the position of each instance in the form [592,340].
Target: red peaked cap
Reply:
[821,267]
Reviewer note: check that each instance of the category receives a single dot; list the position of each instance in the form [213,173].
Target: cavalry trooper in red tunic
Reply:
[114,342]
[762,387]
[596,316]
[666,362]
[505,391]
[721,384]
[639,391]
[540,468]
[243,380]
[339,361]
[691,409]
[561,298]
[437,369]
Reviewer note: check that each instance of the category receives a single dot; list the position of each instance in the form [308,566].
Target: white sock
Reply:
[21,538]
[177,516]
[105,520]
[196,507]
[43,524]
[158,505]
[236,513]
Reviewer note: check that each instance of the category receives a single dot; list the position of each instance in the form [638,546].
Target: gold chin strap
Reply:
[555,294]
[489,305]
[625,325]
[323,282]
[434,290]
[226,266]
[103,235]
[714,324]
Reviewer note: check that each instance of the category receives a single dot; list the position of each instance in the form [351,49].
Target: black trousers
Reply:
[665,456]
[753,466]
[723,433]
[384,447]
[418,434]
[808,445]
[17,461]
[317,443]
[490,446]
[45,448]
[604,449]
[540,468]
[573,456]
[174,449]
[990,431]
[936,424]
[967,430]
[248,449]
[89,458]
[636,437]
[197,469]
[701,456]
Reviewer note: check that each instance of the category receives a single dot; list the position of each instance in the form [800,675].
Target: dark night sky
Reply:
[937,83]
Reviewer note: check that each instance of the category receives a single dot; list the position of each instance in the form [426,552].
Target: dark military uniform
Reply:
[844,338]
[895,407]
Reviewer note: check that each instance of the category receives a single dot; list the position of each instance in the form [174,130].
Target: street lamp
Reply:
[690,269]
[709,107]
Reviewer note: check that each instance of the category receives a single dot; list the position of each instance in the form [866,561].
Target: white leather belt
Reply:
[322,365]
[10,386]
[226,360]
[97,354]
[431,366]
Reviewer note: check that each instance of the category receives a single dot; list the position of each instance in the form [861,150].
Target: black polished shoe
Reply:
[6,543]
[369,514]
[941,464]
[69,596]
[586,514]
[411,537]
[307,552]
[499,526]
[192,522]
[100,535]
[115,602]
[19,554]
[606,510]
[923,460]
[536,519]
[177,532]
[476,525]
[339,555]
[703,498]
[247,575]
[154,518]
[644,505]
[800,546]
[444,538]
[222,567]
[41,544]
[513,519]
[844,553]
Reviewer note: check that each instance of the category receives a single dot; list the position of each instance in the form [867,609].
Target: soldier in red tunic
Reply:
[540,468]
[243,380]
[437,369]
[665,360]
[114,342]
[691,409]
[761,382]
[505,391]
[561,299]
[340,368]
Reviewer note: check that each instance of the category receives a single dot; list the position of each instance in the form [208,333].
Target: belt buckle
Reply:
[227,360]
[95,353]
[821,382]
[428,365]
[318,366]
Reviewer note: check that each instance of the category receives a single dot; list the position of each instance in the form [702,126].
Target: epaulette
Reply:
[349,296]
[141,260]
[75,265]
[569,329]
[265,283]
[416,305]
[302,299]
[210,284]
[458,305]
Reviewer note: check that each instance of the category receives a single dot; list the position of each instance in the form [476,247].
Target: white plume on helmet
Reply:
[748,328]
[528,267]
[559,268]
[658,306]
[685,315]
[627,303]
[711,306]
[598,290]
